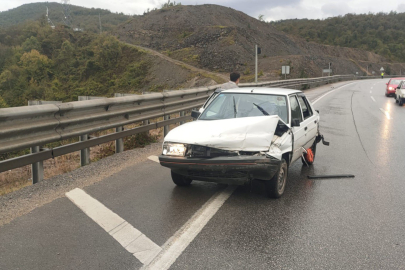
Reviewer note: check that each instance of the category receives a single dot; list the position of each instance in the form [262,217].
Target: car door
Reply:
[310,122]
[298,132]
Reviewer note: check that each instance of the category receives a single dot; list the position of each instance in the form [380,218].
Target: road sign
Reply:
[327,70]
[381,69]
[285,70]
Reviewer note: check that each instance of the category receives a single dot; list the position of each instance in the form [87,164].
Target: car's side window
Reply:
[306,109]
[295,108]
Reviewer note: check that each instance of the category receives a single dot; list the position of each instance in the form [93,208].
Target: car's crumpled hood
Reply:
[237,134]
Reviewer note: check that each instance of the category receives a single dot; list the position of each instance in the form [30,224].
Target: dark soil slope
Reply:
[222,39]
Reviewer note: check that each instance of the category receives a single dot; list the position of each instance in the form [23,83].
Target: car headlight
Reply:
[390,88]
[174,149]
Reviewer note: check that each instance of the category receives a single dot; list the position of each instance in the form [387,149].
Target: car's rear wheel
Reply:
[309,157]
[276,186]
[181,180]
[400,102]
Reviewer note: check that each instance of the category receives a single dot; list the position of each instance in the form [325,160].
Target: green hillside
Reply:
[382,33]
[41,63]
[84,18]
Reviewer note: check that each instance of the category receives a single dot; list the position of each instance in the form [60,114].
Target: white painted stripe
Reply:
[386,113]
[144,249]
[173,248]
[154,158]
[313,103]
[372,98]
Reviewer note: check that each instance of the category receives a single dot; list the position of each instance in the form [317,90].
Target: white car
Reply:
[400,93]
[244,134]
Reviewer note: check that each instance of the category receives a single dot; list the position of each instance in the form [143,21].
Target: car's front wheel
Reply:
[276,186]
[181,180]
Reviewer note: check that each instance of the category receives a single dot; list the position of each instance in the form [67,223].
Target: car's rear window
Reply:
[238,105]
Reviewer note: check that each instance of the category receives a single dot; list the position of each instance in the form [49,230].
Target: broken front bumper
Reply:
[227,170]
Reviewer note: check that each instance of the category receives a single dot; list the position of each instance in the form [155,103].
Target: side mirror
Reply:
[295,123]
[317,111]
[195,114]
[386,84]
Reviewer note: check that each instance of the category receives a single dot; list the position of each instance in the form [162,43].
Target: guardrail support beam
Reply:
[166,129]
[84,153]
[37,168]
[182,113]
[119,143]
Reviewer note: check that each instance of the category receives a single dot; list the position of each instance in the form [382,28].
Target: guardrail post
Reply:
[166,128]
[37,168]
[119,143]
[84,153]
[182,113]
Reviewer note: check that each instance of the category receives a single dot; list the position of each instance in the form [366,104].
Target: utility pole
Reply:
[329,67]
[67,19]
[256,63]
[99,19]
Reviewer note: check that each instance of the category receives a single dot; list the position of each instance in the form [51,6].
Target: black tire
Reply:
[313,147]
[181,180]
[387,95]
[275,187]
[400,102]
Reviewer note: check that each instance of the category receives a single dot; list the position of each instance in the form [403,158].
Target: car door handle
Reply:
[305,128]
[315,121]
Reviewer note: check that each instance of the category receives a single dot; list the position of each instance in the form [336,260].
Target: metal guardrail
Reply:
[30,126]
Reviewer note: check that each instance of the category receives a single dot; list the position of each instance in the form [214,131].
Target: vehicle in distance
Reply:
[244,134]
[400,93]
[392,86]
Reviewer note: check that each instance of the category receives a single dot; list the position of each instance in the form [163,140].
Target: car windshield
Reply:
[238,105]
[395,82]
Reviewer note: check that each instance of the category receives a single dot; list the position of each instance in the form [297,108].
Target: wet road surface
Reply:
[348,223]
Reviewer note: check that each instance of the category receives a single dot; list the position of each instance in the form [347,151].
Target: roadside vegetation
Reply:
[381,33]
[41,63]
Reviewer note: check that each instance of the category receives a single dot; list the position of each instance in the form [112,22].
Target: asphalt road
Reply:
[347,223]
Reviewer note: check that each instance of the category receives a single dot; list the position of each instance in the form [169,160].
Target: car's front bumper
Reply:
[228,170]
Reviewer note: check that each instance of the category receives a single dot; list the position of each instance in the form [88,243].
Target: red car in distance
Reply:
[392,86]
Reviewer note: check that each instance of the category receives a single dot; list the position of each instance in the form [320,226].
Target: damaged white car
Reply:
[244,134]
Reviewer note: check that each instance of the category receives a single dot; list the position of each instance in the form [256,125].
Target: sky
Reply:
[271,10]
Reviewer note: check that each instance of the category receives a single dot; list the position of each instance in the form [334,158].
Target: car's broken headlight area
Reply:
[174,149]
[199,151]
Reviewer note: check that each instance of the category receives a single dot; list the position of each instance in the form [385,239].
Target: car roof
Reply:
[263,90]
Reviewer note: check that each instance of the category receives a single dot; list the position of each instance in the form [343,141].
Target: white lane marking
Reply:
[154,158]
[173,248]
[372,98]
[144,249]
[313,103]
[386,113]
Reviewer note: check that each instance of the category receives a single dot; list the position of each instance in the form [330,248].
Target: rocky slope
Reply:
[222,39]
